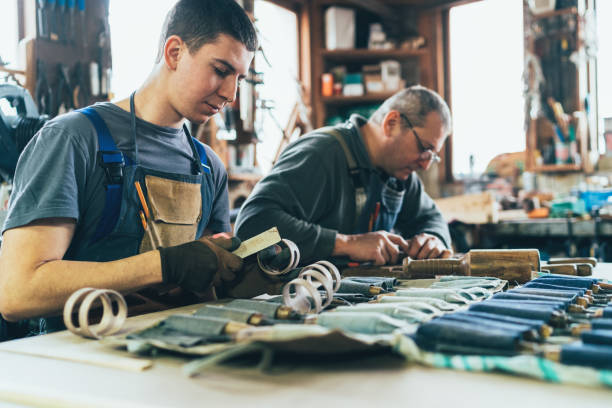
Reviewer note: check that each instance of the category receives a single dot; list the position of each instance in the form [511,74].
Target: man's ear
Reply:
[391,123]
[172,51]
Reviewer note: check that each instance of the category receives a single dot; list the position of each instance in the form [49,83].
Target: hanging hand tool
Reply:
[70,34]
[80,92]
[42,19]
[44,94]
[61,20]
[511,264]
[52,20]
[83,32]
[63,100]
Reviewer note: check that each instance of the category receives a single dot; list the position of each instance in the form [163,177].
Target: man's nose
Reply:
[228,89]
[425,164]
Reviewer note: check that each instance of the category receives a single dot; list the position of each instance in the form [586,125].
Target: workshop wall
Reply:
[67,49]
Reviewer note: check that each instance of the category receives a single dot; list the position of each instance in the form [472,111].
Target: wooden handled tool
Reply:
[566,268]
[509,264]
[575,269]
[591,261]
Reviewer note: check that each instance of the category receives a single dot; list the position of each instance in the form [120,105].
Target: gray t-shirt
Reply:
[58,174]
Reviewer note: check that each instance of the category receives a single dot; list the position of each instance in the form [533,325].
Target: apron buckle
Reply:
[112,162]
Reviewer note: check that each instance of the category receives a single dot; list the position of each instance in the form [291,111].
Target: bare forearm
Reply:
[45,290]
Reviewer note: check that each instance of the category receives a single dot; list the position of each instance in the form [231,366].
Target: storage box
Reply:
[339,28]
[595,199]
[391,76]
[353,85]
[542,6]
[372,79]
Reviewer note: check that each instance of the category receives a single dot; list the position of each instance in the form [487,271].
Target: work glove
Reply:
[275,257]
[197,265]
[252,281]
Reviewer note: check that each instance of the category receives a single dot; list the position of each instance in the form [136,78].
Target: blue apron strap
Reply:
[199,151]
[112,160]
[202,153]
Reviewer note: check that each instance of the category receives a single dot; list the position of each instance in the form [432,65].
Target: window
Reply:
[134,41]
[281,87]
[604,64]
[9,33]
[486,60]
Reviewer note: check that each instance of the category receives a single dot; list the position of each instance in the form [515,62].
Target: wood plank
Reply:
[478,208]
[377,7]
[365,53]
[258,242]
[554,13]
[349,100]
[558,168]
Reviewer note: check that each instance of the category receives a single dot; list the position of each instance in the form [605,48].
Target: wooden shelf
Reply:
[364,53]
[558,168]
[12,71]
[349,100]
[554,13]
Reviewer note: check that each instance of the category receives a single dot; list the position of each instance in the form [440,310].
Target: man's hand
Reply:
[228,263]
[196,265]
[427,246]
[380,247]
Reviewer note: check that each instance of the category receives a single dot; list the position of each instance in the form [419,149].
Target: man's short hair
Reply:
[415,102]
[200,22]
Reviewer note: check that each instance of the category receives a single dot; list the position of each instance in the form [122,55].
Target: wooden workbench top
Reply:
[388,381]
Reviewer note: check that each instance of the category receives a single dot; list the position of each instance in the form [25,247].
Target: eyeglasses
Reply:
[425,154]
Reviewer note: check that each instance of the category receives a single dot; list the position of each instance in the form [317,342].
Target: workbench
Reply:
[569,237]
[360,382]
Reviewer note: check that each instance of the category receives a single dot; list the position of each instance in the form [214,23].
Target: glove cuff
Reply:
[189,259]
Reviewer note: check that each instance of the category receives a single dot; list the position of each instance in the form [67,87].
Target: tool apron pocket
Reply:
[176,210]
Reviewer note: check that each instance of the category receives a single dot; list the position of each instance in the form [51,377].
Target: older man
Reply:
[352,191]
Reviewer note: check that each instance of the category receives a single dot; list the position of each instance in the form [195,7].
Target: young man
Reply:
[76,217]
[339,192]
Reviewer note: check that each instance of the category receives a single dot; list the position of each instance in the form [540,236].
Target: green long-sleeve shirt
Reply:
[309,196]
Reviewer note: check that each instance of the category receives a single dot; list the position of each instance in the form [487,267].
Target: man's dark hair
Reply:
[200,22]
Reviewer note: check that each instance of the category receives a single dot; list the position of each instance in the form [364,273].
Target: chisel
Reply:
[268,309]
[461,337]
[590,355]
[237,315]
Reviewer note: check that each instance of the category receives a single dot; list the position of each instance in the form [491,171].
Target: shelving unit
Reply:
[390,14]
[349,100]
[556,38]
[366,54]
